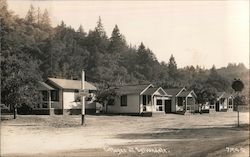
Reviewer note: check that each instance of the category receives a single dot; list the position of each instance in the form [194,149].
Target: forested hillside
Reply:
[32,50]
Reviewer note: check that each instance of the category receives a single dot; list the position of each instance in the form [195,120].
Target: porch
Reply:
[186,104]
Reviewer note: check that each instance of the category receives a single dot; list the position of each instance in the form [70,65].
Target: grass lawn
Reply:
[213,134]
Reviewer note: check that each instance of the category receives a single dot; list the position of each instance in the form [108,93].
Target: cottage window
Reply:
[160,108]
[54,95]
[230,101]
[144,99]
[159,102]
[124,100]
[180,101]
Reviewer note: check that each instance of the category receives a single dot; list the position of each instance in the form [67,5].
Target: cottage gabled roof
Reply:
[131,89]
[155,91]
[228,95]
[173,91]
[70,84]
[150,91]
[219,94]
[223,95]
[186,93]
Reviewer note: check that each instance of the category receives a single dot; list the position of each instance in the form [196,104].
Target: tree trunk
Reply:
[15,112]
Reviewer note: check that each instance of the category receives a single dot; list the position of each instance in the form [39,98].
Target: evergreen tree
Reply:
[217,81]
[45,19]
[117,41]
[172,66]
[31,15]
[39,16]
[80,29]
[100,29]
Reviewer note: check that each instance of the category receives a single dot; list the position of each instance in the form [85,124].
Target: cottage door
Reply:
[167,106]
[217,106]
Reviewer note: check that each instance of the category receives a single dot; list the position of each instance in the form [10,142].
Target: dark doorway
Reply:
[167,106]
[217,106]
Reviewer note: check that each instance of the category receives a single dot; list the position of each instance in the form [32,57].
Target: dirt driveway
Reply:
[211,134]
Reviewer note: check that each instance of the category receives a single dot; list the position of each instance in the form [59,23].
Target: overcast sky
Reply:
[196,33]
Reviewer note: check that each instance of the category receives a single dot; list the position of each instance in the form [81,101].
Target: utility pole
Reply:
[83,96]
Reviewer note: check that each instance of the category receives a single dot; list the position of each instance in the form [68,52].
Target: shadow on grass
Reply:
[188,133]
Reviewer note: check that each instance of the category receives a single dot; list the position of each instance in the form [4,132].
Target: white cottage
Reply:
[61,96]
[139,99]
[224,102]
[182,100]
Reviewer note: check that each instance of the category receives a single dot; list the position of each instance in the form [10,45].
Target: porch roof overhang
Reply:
[43,86]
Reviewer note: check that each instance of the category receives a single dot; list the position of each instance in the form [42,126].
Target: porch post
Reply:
[186,103]
[163,104]
[152,103]
[49,103]
[232,104]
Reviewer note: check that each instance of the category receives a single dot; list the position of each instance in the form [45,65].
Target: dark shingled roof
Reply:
[150,91]
[219,94]
[184,94]
[131,89]
[223,95]
[173,91]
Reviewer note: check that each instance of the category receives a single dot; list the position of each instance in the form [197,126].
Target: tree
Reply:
[100,29]
[172,67]
[45,19]
[205,93]
[146,63]
[19,80]
[80,29]
[106,95]
[97,38]
[19,71]
[240,99]
[31,15]
[117,41]
[217,81]
[38,15]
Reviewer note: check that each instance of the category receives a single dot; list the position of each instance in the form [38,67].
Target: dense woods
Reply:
[32,50]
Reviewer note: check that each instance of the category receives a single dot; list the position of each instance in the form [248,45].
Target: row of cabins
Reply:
[61,96]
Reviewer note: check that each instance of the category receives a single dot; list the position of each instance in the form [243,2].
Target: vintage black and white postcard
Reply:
[84,78]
